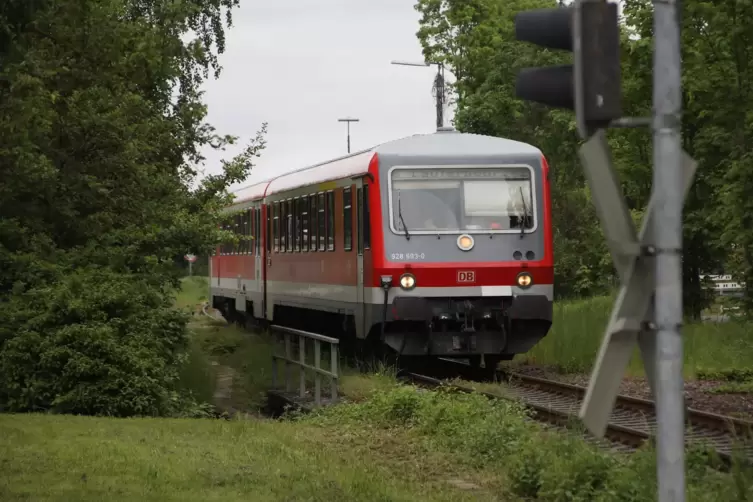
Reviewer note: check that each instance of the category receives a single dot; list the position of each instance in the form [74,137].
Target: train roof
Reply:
[445,141]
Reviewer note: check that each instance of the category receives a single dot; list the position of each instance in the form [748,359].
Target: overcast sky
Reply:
[302,64]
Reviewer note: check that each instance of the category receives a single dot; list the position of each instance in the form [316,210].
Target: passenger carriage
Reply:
[431,245]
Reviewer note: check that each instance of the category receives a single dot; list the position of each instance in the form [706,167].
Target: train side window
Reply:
[268,240]
[359,218]
[289,228]
[314,222]
[347,219]
[249,230]
[257,230]
[237,231]
[322,223]
[222,244]
[241,233]
[305,223]
[297,225]
[223,247]
[366,220]
[252,231]
[283,225]
[242,243]
[276,226]
[231,228]
[331,221]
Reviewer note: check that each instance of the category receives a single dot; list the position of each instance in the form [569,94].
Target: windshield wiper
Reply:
[524,219]
[400,215]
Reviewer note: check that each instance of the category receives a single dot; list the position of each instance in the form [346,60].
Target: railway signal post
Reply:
[649,265]
[190,258]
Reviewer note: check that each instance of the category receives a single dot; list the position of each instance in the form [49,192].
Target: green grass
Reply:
[395,444]
[193,291]
[79,459]
[578,327]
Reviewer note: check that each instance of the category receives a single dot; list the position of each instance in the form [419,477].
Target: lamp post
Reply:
[439,89]
[348,120]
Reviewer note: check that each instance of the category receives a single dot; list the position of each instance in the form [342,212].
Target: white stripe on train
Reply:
[349,294]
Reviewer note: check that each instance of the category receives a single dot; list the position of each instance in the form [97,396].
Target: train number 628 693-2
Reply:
[408,256]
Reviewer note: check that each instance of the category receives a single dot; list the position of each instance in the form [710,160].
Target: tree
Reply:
[475,39]
[101,123]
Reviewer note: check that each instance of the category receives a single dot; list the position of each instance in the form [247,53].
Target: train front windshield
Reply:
[446,200]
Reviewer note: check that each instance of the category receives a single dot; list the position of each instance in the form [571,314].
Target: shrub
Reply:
[538,464]
[95,343]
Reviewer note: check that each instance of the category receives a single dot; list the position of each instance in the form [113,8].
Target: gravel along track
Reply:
[633,420]
[636,416]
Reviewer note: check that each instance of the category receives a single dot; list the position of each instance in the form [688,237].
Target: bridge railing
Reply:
[289,362]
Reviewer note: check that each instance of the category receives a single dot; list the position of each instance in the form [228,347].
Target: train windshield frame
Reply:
[462,199]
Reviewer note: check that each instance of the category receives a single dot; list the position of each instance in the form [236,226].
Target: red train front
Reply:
[432,245]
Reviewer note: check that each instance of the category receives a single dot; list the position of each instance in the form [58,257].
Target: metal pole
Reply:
[668,183]
[347,121]
[439,90]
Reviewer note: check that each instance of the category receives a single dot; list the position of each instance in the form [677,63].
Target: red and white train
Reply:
[431,245]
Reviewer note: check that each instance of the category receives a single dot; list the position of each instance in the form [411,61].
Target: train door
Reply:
[359,260]
[258,262]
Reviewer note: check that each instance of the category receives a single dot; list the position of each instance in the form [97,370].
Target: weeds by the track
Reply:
[578,327]
[516,456]
[193,291]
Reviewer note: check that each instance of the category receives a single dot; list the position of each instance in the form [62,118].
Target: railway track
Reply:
[633,420]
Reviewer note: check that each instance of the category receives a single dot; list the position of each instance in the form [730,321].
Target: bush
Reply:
[95,343]
[538,464]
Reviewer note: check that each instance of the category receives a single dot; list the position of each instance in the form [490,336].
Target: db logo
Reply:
[466,276]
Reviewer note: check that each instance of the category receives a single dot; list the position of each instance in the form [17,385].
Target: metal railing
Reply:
[289,362]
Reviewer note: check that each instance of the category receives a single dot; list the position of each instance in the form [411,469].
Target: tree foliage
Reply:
[475,39]
[101,127]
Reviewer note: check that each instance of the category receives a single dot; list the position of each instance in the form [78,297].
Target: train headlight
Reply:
[524,280]
[407,281]
[465,242]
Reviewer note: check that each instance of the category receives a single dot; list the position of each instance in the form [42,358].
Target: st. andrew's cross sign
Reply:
[630,322]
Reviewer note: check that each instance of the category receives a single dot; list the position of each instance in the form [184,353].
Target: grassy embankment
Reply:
[390,443]
[723,349]
[398,444]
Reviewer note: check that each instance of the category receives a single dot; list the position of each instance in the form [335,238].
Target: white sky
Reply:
[302,64]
